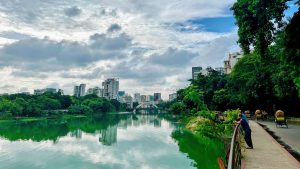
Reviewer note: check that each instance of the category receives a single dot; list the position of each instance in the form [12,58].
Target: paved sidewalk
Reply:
[267,153]
[290,136]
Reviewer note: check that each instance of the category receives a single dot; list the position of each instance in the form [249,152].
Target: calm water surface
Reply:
[113,142]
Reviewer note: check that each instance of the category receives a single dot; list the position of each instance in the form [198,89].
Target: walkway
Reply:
[290,136]
[267,153]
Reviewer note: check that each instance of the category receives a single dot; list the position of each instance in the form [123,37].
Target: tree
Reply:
[258,21]
[79,109]
[178,108]
[291,55]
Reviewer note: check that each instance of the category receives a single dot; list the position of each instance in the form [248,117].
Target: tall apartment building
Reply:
[79,90]
[60,91]
[128,100]
[195,72]
[157,96]
[96,90]
[148,98]
[143,98]
[111,88]
[137,97]
[233,58]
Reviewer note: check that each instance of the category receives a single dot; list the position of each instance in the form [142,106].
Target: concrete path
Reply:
[267,153]
[290,136]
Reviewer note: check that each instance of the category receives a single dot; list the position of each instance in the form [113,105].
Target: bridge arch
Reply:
[146,105]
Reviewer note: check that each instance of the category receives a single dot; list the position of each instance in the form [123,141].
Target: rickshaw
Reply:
[258,114]
[280,120]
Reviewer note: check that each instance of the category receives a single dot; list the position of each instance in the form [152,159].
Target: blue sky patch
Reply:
[291,10]
[219,25]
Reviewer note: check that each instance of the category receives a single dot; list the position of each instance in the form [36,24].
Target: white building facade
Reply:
[79,90]
[111,88]
[233,58]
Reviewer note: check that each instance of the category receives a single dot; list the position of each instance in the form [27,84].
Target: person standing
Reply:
[247,130]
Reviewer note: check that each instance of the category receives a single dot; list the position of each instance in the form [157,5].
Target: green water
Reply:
[120,141]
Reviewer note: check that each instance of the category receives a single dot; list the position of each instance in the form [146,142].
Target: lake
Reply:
[116,141]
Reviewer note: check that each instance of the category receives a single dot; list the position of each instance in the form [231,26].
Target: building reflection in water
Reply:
[109,135]
[77,134]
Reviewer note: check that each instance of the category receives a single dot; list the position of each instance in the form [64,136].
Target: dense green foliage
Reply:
[52,104]
[258,21]
[266,78]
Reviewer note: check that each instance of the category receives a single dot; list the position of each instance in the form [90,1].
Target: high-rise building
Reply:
[157,96]
[76,91]
[128,100]
[79,90]
[60,91]
[148,98]
[233,58]
[137,97]
[143,98]
[195,72]
[111,88]
[96,90]
[82,89]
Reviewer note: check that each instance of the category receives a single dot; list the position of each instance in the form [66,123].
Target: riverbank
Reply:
[29,119]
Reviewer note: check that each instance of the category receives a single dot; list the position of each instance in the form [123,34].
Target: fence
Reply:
[234,160]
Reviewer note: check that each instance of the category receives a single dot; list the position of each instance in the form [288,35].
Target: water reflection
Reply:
[130,141]
[109,135]
[54,129]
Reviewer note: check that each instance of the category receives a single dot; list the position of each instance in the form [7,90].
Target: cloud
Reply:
[153,70]
[114,28]
[173,57]
[14,35]
[28,74]
[102,41]
[73,11]
[46,55]
[147,44]
[7,87]
[215,52]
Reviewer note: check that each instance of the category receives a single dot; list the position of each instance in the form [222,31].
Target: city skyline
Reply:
[150,46]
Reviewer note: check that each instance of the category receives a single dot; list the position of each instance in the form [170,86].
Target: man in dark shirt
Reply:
[247,131]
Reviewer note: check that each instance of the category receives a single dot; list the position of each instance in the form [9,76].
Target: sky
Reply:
[149,45]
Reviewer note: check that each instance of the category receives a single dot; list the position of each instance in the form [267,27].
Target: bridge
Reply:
[147,105]
[267,152]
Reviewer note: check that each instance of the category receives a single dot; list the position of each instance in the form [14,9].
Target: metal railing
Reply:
[234,160]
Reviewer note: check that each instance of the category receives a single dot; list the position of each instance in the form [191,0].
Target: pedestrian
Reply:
[247,130]
[244,116]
